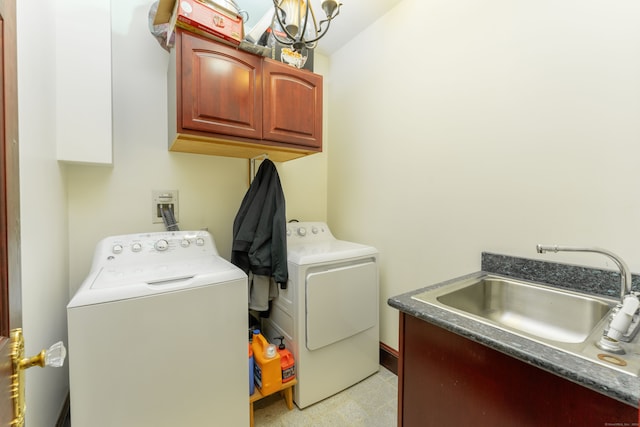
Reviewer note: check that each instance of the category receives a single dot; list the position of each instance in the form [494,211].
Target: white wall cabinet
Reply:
[83,81]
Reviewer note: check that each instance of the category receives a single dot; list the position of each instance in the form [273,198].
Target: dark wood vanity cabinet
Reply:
[445,379]
[227,102]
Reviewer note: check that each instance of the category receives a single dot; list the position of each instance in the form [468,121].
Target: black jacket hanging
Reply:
[260,229]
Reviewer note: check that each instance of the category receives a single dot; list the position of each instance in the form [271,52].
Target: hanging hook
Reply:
[252,165]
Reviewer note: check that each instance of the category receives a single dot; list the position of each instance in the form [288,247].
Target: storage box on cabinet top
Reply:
[209,20]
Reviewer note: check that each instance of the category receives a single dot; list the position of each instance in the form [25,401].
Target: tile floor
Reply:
[371,403]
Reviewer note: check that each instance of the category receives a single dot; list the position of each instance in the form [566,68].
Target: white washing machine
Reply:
[158,335]
[329,312]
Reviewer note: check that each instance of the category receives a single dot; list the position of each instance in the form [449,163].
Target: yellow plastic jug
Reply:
[267,373]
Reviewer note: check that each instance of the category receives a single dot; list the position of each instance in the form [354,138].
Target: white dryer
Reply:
[158,335]
[329,312]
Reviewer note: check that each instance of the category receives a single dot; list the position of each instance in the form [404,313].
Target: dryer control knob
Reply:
[302,231]
[185,243]
[117,248]
[161,245]
[315,230]
[136,247]
[200,241]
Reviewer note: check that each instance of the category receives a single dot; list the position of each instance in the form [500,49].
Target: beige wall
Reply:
[43,212]
[461,127]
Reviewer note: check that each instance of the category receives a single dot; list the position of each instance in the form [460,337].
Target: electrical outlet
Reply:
[163,199]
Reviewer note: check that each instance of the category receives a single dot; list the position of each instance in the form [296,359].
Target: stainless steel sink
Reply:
[569,321]
[533,309]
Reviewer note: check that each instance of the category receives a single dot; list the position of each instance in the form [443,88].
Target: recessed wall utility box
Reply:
[163,199]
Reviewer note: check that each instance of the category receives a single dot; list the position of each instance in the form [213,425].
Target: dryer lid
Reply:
[313,242]
[327,251]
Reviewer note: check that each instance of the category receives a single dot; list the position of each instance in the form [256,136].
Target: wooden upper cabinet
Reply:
[221,89]
[227,102]
[292,105]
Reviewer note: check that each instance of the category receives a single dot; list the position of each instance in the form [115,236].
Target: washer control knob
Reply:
[117,248]
[161,245]
[200,241]
[136,247]
[302,231]
[315,230]
[185,243]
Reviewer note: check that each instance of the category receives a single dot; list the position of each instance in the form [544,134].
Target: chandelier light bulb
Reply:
[329,6]
[298,21]
[292,11]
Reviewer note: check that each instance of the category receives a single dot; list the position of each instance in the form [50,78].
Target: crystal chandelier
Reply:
[298,22]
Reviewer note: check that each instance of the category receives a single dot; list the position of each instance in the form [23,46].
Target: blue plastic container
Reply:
[252,384]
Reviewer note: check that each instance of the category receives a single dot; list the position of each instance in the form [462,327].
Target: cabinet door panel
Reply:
[292,105]
[446,379]
[221,89]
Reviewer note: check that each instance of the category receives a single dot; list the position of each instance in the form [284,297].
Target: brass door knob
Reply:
[53,357]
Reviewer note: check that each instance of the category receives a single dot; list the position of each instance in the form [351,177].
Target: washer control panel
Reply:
[151,247]
[308,232]
[167,258]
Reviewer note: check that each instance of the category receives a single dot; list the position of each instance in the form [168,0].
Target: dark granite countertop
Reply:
[612,383]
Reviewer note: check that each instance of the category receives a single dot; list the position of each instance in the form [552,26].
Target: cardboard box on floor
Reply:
[209,20]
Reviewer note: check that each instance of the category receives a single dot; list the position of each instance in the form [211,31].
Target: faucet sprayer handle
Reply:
[623,317]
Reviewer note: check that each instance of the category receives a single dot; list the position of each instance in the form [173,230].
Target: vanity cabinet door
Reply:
[221,89]
[292,105]
[445,379]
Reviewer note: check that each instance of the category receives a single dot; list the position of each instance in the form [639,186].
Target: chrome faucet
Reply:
[624,321]
[625,274]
